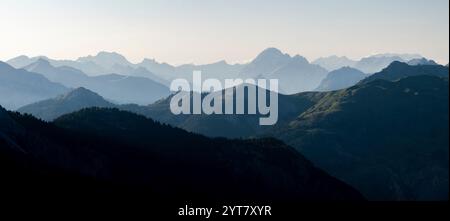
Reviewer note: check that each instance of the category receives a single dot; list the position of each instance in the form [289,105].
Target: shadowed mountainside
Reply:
[116,152]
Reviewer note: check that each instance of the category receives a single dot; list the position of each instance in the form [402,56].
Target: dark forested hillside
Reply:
[115,152]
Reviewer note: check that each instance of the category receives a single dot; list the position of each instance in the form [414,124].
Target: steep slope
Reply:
[73,101]
[19,87]
[388,139]
[340,79]
[114,152]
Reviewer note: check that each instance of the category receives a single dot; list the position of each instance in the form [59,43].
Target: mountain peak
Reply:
[43,61]
[109,54]
[397,64]
[271,56]
[300,59]
[271,52]
[80,93]
[40,64]
[422,61]
[74,100]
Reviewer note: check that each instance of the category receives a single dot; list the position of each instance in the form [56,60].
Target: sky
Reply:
[206,31]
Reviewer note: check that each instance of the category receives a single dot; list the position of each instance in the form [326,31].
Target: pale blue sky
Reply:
[203,31]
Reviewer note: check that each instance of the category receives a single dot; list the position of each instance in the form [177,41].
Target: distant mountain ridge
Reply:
[19,87]
[398,70]
[119,88]
[369,65]
[295,73]
[334,62]
[421,61]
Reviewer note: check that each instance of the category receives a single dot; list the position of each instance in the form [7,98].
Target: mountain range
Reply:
[19,87]
[119,88]
[397,118]
[295,73]
[370,64]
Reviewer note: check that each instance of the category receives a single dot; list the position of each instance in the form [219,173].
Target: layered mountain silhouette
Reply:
[387,135]
[19,87]
[119,88]
[345,133]
[232,126]
[106,151]
[340,79]
[113,63]
[295,73]
[89,68]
